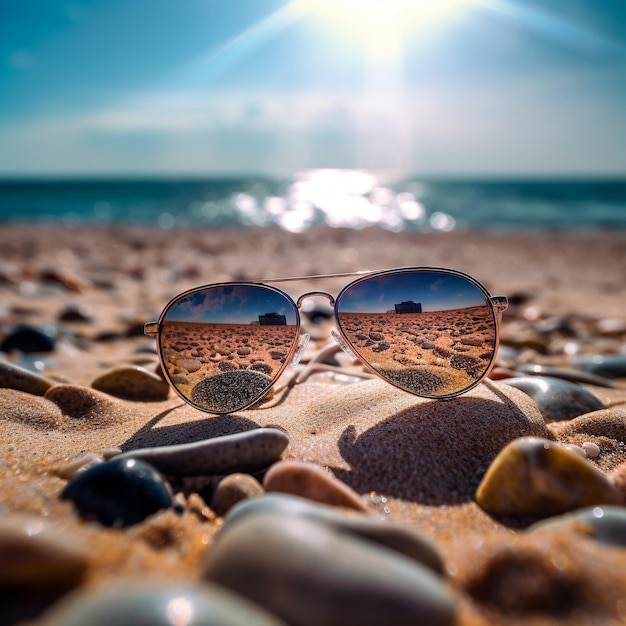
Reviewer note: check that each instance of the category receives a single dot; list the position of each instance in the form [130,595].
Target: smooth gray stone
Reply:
[605,523]
[574,376]
[309,574]
[556,399]
[397,537]
[15,377]
[139,603]
[248,451]
[607,366]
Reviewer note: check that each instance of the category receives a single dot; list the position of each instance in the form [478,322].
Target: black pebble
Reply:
[27,339]
[120,492]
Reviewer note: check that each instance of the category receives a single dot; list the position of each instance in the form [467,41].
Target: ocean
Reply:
[339,198]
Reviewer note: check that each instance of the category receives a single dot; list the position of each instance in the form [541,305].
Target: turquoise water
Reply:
[352,199]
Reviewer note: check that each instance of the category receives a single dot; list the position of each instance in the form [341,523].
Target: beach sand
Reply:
[414,461]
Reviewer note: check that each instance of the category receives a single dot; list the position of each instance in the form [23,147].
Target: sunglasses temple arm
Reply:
[500,304]
[151,329]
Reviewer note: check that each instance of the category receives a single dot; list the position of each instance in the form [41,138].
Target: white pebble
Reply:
[110,453]
[592,450]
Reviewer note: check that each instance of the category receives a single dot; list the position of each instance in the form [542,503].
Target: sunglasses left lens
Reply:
[222,347]
[429,332]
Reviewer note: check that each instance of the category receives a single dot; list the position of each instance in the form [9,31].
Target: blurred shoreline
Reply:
[313,198]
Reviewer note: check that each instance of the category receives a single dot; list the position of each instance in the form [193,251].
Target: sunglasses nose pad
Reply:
[303,342]
[344,346]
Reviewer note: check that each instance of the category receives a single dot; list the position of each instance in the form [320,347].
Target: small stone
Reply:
[111,453]
[120,492]
[34,554]
[73,468]
[312,482]
[191,365]
[537,477]
[607,366]
[27,339]
[557,399]
[75,313]
[606,524]
[611,327]
[133,383]
[248,451]
[308,574]
[233,489]
[574,376]
[157,603]
[16,377]
[398,537]
[592,450]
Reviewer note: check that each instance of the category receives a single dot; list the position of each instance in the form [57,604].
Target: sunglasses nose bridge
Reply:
[312,294]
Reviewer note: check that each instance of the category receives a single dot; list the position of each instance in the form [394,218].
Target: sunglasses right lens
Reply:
[429,332]
[222,347]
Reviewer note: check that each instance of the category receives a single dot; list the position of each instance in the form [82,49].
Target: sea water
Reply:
[338,198]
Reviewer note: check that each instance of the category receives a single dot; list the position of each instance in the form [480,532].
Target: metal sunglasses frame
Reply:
[498,304]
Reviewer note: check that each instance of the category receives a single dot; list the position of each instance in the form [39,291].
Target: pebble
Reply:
[308,574]
[15,377]
[606,524]
[247,451]
[35,554]
[75,467]
[556,399]
[405,539]
[537,477]
[574,376]
[592,450]
[157,603]
[28,339]
[133,383]
[120,492]
[75,313]
[607,366]
[311,481]
[233,489]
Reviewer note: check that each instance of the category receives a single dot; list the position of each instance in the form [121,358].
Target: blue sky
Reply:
[435,292]
[153,87]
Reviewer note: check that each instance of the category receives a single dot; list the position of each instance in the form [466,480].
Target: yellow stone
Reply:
[537,477]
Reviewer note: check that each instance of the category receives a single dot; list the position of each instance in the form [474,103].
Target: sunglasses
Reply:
[431,332]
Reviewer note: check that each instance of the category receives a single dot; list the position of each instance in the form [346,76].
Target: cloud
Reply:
[552,123]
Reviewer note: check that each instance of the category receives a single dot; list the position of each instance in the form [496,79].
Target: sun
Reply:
[379,26]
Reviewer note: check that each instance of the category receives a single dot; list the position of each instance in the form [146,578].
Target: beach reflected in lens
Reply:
[224,346]
[430,333]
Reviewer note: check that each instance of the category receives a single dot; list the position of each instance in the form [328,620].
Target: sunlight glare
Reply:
[380,25]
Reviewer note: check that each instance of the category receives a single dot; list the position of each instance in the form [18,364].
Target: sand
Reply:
[415,461]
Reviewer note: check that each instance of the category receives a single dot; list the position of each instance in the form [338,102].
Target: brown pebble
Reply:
[14,377]
[34,554]
[133,383]
[232,489]
[311,481]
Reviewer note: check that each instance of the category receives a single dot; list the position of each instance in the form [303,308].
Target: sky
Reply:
[215,87]
[435,292]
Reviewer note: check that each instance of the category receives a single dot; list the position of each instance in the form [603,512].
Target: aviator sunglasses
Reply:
[431,332]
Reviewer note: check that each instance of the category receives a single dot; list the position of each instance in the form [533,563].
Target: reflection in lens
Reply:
[429,332]
[223,347]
